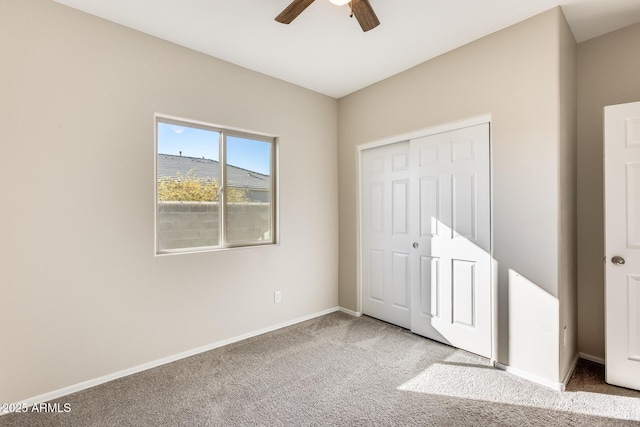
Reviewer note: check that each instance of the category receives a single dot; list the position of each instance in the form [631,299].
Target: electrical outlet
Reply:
[277,297]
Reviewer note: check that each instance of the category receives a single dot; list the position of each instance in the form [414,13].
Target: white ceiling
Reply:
[326,51]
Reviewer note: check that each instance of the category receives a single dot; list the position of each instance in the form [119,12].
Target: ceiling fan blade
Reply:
[364,14]
[293,10]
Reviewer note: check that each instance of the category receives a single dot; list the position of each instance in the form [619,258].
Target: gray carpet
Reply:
[340,370]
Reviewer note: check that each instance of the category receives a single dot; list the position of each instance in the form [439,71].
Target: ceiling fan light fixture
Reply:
[339,2]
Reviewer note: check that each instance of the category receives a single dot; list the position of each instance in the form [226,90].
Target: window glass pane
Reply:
[249,194]
[188,182]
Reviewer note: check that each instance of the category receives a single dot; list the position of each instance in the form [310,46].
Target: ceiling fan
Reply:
[360,8]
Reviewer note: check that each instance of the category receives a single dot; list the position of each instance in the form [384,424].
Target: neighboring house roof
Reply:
[169,165]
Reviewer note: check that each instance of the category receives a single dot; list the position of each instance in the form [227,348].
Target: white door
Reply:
[622,244]
[426,236]
[451,298]
[386,239]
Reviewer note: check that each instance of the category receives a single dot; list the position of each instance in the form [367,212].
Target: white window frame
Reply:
[224,132]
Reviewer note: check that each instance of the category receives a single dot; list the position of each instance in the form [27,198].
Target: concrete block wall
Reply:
[248,222]
[196,224]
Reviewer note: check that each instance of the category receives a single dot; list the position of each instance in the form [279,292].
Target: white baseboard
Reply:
[539,380]
[591,358]
[153,364]
[351,312]
[570,372]
[530,377]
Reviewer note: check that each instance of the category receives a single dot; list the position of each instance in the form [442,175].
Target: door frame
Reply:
[432,130]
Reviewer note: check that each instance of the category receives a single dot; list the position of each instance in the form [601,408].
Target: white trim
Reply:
[163,361]
[350,312]
[591,358]
[155,186]
[533,378]
[431,130]
[567,377]
[494,264]
[359,230]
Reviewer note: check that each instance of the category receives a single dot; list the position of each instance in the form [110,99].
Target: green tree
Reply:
[190,188]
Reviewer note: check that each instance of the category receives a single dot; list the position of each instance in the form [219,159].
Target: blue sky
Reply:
[192,142]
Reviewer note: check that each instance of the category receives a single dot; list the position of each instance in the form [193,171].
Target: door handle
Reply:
[415,245]
[618,260]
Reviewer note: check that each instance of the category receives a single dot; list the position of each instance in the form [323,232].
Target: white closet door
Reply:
[426,236]
[386,238]
[451,287]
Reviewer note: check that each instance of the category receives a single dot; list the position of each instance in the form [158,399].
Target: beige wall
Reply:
[608,73]
[567,274]
[82,293]
[515,76]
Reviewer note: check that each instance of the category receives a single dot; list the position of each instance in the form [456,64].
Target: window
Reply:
[215,187]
